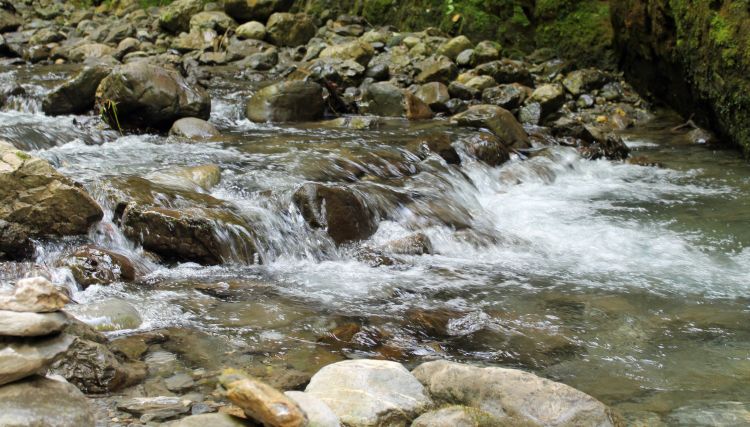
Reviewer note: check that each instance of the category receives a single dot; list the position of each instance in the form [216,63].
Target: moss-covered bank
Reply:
[693,54]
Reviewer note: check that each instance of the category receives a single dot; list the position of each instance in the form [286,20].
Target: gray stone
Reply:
[208,420]
[726,414]
[17,324]
[35,295]
[318,413]
[157,408]
[498,120]
[22,358]
[179,383]
[39,401]
[194,128]
[77,95]
[252,30]
[289,29]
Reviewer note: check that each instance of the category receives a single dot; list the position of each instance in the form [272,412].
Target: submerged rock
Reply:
[292,101]
[108,315]
[39,401]
[370,392]
[77,95]
[487,148]
[139,95]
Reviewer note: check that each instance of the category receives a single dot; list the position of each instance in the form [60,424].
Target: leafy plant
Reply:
[108,113]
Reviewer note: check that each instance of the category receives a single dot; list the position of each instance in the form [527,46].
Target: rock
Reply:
[179,383]
[217,21]
[378,72]
[157,408]
[530,114]
[9,21]
[296,100]
[486,51]
[34,195]
[370,392]
[454,46]
[487,148]
[252,30]
[139,94]
[25,357]
[385,99]
[108,315]
[457,416]
[465,59]
[194,178]
[15,244]
[415,244]
[175,17]
[88,51]
[438,143]
[434,94]
[289,29]
[506,71]
[586,80]
[208,420]
[353,122]
[77,95]
[509,96]
[702,136]
[550,98]
[507,393]
[93,368]
[481,83]
[18,324]
[194,128]
[461,91]
[260,10]
[318,413]
[34,295]
[98,266]
[356,50]
[337,210]
[439,69]
[498,120]
[39,401]
[711,414]
[262,402]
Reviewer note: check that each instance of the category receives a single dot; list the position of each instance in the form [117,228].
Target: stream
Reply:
[628,282]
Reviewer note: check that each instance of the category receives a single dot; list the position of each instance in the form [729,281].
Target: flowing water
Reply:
[628,282]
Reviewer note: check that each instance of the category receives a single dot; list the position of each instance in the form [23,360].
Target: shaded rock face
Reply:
[40,199]
[386,99]
[337,210]
[75,96]
[512,395]
[692,55]
[296,100]
[141,95]
[15,243]
[260,10]
[38,401]
[99,266]
[176,16]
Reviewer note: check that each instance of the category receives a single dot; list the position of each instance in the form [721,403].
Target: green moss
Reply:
[23,156]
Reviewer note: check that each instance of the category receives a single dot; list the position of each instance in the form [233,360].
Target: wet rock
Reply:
[457,416]
[438,143]
[89,51]
[25,357]
[711,414]
[18,324]
[462,91]
[193,178]
[356,50]
[550,98]
[318,413]
[506,71]
[39,401]
[455,46]
[702,136]
[108,315]
[378,72]
[586,80]
[296,100]
[438,69]
[481,83]
[289,29]
[252,30]
[34,295]
[486,51]
[337,210]
[353,122]
[208,420]
[194,128]
[530,114]
[179,383]
[175,17]
[77,95]
[217,21]
[498,120]
[386,99]
[415,244]
[139,95]
[487,148]
[435,95]
[34,195]
[262,402]
[15,244]
[507,394]
[155,408]
[9,21]
[509,96]
[370,392]
[93,368]
[260,10]
[98,266]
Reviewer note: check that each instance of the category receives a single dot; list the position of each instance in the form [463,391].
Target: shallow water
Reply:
[628,282]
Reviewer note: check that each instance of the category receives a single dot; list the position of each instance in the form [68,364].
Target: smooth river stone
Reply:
[262,402]
[17,324]
[208,420]
[21,358]
[39,401]
[370,392]
[318,413]
[35,295]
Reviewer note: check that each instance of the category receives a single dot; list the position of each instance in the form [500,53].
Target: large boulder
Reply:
[386,99]
[92,265]
[139,95]
[77,95]
[36,196]
[498,120]
[39,401]
[20,324]
[370,393]
[176,16]
[259,10]
[290,29]
[292,101]
[22,358]
[339,211]
[512,395]
[318,413]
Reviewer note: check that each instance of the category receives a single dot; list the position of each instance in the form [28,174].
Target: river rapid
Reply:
[628,282]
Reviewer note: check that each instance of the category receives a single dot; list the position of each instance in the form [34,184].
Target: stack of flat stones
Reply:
[31,338]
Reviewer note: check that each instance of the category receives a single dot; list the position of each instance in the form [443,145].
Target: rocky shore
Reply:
[148,70]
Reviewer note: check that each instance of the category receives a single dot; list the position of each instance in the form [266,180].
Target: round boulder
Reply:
[292,101]
[289,29]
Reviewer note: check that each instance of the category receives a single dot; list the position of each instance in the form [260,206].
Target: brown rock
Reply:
[36,295]
[262,402]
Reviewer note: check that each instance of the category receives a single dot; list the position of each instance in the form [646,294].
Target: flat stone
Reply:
[208,420]
[179,382]
[456,416]
[370,392]
[262,402]
[155,408]
[34,295]
[318,413]
[39,401]
[17,324]
[22,358]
